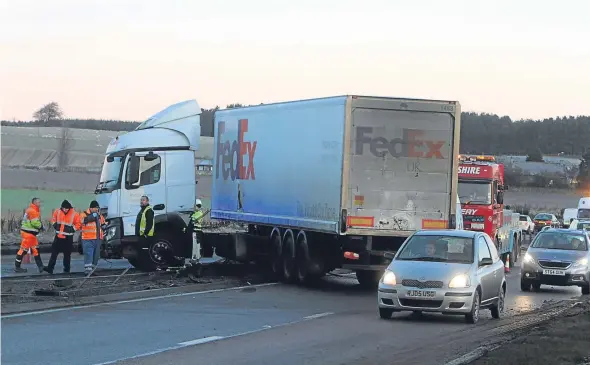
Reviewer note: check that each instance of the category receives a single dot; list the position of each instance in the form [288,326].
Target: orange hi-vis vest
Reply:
[89,229]
[68,223]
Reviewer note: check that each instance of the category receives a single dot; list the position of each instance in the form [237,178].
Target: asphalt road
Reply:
[336,323]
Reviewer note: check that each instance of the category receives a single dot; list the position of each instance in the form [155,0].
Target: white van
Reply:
[569,214]
[584,208]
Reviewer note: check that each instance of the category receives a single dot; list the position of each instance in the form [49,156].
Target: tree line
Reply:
[481,133]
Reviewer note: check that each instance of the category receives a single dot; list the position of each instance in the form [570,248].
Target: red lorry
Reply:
[481,192]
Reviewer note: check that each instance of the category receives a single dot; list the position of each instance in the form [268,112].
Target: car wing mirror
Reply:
[389,255]
[486,261]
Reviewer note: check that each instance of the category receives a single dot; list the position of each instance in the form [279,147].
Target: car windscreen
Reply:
[584,213]
[523,218]
[438,248]
[573,241]
[543,217]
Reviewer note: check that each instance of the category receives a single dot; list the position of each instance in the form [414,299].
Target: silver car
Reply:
[557,257]
[445,271]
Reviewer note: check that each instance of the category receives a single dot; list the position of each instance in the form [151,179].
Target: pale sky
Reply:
[128,59]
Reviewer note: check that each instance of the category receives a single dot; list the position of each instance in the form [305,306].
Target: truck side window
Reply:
[482,249]
[147,171]
[495,192]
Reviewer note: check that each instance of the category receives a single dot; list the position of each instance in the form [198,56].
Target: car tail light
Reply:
[548,222]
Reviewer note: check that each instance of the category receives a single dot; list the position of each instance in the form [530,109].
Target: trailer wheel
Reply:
[368,279]
[309,265]
[288,258]
[276,251]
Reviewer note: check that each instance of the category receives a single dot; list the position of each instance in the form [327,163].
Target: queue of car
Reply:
[460,272]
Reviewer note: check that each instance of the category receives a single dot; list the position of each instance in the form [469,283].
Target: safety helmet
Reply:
[198,202]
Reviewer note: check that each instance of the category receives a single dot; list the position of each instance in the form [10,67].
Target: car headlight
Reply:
[581,263]
[388,278]
[459,281]
[528,258]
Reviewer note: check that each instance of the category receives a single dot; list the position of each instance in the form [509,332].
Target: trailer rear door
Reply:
[401,172]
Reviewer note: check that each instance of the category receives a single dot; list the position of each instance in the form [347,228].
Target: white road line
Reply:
[209,339]
[319,315]
[45,311]
[201,340]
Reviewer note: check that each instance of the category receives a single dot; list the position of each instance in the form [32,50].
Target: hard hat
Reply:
[198,202]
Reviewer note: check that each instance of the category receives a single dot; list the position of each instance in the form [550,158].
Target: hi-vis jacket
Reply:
[67,223]
[90,229]
[32,220]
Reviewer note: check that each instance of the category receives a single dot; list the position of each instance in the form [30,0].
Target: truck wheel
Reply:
[276,252]
[368,279]
[289,261]
[512,257]
[158,255]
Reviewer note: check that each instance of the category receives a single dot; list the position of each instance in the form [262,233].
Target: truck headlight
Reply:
[388,278]
[111,233]
[477,226]
[459,281]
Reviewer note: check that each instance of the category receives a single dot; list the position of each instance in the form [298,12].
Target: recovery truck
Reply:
[320,184]
[481,192]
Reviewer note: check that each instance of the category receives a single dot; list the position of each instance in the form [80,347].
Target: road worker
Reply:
[92,235]
[195,226]
[30,228]
[65,221]
[145,224]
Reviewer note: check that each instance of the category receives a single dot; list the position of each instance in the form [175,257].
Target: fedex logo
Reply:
[409,145]
[470,170]
[231,154]
[468,211]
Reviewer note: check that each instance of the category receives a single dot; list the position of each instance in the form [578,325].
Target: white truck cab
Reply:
[584,208]
[157,159]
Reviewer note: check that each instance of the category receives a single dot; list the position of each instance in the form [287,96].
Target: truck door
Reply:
[144,175]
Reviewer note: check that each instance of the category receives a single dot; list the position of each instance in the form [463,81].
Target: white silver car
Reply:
[445,271]
[526,224]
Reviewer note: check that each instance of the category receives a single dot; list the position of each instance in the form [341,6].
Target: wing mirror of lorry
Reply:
[151,156]
[500,197]
[486,261]
[159,207]
[389,255]
[132,171]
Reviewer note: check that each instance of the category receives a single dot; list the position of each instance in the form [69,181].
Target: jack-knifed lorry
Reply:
[320,184]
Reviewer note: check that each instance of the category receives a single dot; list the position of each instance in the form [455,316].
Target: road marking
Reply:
[209,340]
[319,315]
[54,310]
[201,341]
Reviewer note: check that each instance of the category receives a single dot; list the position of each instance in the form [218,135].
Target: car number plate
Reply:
[428,294]
[553,272]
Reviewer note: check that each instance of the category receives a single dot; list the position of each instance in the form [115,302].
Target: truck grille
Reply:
[420,303]
[554,264]
[422,284]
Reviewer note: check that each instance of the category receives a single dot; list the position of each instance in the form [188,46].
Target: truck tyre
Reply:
[288,258]
[368,279]
[152,258]
[276,252]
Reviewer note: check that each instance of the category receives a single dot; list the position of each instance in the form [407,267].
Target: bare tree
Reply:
[64,143]
[48,112]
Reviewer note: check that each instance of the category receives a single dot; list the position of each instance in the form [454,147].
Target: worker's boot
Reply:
[17,262]
[39,263]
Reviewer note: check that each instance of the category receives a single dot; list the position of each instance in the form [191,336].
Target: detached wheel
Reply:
[368,279]
[385,313]
[473,316]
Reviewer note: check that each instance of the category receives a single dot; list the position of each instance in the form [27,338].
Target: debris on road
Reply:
[562,340]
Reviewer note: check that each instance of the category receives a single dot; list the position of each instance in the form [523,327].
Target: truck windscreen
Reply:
[109,177]
[475,192]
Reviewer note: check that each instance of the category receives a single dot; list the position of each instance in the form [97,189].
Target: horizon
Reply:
[128,59]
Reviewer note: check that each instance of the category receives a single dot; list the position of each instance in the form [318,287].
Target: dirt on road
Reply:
[562,340]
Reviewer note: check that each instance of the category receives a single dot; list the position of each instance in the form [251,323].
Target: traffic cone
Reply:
[507,264]
[27,258]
